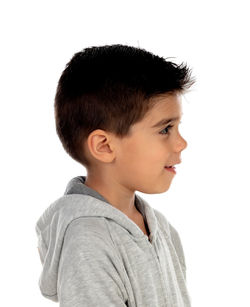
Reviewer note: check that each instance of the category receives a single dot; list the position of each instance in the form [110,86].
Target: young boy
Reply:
[117,111]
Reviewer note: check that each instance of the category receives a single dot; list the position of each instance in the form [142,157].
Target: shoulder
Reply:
[88,227]
[89,237]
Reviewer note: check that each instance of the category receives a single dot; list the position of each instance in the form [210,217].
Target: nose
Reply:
[181,144]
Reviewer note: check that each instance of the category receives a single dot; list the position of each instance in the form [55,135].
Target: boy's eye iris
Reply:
[167,129]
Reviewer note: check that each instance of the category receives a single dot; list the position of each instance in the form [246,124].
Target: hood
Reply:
[79,200]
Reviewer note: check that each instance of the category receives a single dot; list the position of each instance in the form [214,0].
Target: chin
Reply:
[164,188]
[155,191]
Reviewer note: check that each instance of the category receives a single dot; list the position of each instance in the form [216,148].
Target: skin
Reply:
[136,163]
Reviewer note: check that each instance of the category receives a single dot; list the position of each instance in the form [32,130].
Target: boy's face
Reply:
[141,158]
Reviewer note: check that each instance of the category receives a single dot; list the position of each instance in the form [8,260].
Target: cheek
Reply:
[147,152]
[133,154]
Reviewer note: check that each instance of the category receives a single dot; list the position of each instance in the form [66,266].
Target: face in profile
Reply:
[154,144]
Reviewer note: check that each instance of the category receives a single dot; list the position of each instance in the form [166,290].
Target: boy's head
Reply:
[107,100]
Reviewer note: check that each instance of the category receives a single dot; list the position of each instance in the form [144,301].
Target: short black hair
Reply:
[110,88]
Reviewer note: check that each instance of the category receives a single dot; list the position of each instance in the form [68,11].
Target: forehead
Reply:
[165,107]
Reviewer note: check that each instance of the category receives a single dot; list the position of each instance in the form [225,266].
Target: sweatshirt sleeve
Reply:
[89,270]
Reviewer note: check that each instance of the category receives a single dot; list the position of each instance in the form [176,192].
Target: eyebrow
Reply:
[165,121]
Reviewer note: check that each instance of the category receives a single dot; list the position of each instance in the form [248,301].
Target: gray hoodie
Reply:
[93,255]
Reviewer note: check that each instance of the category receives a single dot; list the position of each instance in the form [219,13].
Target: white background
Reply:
[208,201]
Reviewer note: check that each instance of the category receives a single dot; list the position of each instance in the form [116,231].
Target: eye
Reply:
[166,129]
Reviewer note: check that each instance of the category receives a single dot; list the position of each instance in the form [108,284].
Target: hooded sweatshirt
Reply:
[93,255]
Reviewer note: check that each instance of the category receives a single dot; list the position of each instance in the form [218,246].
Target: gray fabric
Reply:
[94,255]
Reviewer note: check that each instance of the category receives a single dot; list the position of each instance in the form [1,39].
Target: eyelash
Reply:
[169,128]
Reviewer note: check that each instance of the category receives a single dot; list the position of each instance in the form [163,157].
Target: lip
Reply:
[172,169]
[172,164]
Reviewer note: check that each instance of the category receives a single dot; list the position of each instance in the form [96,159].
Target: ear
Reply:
[100,146]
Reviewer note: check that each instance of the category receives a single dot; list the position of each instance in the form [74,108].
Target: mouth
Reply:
[172,166]
[170,169]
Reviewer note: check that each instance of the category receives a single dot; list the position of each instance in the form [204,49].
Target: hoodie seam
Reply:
[180,257]
[116,250]
[162,219]
[178,246]
[49,295]
[44,242]
[39,232]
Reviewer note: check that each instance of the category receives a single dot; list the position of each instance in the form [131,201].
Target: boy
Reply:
[117,111]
